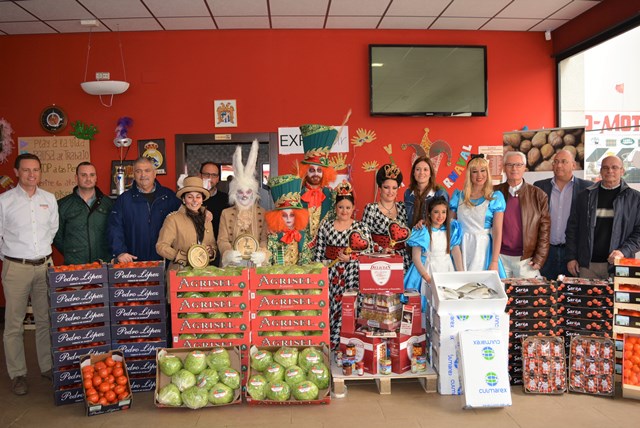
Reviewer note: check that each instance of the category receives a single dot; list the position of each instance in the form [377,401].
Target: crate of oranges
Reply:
[105,383]
[631,367]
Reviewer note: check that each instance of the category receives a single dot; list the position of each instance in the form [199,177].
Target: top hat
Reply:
[193,184]
[285,191]
[317,141]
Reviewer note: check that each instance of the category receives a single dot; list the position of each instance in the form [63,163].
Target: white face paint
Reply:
[245,198]
[314,175]
[289,218]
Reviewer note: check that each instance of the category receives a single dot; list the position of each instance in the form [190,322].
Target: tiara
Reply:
[344,189]
[391,171]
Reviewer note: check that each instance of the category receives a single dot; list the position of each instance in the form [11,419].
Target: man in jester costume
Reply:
[316,175]
[287,223]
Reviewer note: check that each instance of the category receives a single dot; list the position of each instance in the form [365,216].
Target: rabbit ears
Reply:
[244,176]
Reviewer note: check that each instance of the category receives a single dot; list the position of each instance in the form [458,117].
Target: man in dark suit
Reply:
[562,191]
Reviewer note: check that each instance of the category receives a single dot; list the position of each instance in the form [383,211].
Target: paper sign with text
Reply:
[59,156]
[290,141]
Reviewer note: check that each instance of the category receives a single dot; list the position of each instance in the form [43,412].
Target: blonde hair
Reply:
[487,190]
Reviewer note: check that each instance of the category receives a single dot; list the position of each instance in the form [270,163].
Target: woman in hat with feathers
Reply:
[187,226]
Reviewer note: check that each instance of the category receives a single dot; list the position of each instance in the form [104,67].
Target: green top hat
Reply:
[317,141]
[285,191]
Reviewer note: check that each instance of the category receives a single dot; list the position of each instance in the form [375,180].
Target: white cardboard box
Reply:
[467,306]
[484,356]
[444,359]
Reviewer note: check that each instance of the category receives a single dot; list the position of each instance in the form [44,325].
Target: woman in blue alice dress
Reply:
[435,248]
[480,212]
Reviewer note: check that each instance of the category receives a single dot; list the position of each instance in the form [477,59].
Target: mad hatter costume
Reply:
[287,223]
[316,195]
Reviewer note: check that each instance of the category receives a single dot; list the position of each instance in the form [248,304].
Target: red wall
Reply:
[278,77]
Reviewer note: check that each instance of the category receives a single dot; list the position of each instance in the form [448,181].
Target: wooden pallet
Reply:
[428,379]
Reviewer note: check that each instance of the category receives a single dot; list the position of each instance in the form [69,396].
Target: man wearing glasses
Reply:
[562,191]
[526,225]
[219,200]
[604,225]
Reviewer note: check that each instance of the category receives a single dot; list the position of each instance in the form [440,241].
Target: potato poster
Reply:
[540,146]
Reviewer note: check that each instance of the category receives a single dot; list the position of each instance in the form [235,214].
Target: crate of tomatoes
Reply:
[136,272]
[73,275]
[105,383]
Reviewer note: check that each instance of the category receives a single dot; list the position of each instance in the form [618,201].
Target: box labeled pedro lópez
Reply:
[381,274]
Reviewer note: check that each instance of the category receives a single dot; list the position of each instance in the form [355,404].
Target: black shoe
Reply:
[19,385]
[47,375]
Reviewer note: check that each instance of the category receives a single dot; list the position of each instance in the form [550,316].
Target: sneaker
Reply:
[19,385]
[47,375]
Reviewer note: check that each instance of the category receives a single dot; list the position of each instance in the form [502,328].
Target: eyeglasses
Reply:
[513,165]
[610,168]
[207,175]
[560,162]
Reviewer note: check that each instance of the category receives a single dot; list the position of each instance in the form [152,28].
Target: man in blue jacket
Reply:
[562,191]
[604,224]
[138,214]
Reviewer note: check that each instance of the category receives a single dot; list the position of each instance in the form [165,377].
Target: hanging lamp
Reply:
[103,86]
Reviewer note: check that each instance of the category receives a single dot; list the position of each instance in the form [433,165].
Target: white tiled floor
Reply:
[408,406]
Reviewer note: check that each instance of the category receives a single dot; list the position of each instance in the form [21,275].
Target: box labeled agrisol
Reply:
[484,368]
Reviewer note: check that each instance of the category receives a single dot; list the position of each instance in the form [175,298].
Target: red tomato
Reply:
[97,380]
[121,380]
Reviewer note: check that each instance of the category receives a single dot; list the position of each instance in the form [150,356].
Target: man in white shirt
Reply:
[28,223]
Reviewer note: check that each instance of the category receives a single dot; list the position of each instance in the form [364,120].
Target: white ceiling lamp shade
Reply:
[106,88]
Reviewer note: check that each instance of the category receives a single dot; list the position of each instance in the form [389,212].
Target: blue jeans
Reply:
[556,263]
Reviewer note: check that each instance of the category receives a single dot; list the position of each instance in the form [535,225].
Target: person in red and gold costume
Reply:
[316,174]
[287,223]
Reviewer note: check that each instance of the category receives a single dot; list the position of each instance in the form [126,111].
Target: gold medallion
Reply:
[246,244]
[198,256]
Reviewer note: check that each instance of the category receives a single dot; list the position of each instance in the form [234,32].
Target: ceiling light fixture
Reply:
[103,87]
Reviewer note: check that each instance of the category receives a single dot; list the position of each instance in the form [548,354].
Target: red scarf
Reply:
[313,197]
[291,235]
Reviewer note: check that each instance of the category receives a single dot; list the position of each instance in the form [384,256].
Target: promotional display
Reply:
[381,273]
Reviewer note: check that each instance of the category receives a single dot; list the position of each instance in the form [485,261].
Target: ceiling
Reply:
[65,16]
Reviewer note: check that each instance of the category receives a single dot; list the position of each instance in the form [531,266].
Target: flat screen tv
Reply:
[428,80]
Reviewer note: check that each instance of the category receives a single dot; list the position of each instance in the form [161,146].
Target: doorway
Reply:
[194,149]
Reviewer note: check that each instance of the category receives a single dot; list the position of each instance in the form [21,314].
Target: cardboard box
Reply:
[126,292]
[80,336]
[71,278]
[546,289]
[586,301]
[143,383]
[349,310]
[533,312]
[163,380]
[452,323]
[63,357]
[77,317]
[484,369]
[138,349]
[368,349]
[531,301]
[380,274]
[585,324]
[206,284]
[585,312]
[445,363]
[627,297]
[458,279]
[627,269]
[98,409]
[68,394]
[139,331]
[141,366]
[139,312]
[401,351]
[141,272]
[66,377]
[586,289]
[324,395]
[70,296]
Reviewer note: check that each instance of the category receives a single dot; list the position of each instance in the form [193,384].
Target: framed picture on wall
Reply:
[225,113]
[155,151]
[128,174]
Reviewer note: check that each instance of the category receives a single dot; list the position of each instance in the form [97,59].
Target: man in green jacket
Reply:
[84,214]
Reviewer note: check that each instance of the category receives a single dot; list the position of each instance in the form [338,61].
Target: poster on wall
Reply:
[612,133]
[155,151]
[494,155]
[59,156]
[225,113]
[128,175]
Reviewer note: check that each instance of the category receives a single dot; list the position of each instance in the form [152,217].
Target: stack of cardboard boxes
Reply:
[138,318]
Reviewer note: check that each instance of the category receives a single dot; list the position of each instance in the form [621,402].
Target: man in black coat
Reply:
[604,224]
[219,200]
[562,191]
